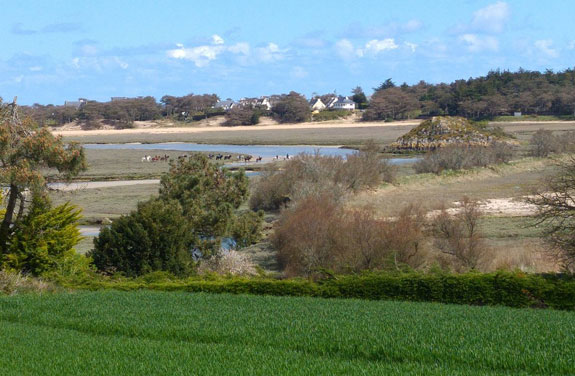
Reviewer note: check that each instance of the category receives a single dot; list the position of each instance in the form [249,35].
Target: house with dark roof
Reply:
[343,103]
[226,105]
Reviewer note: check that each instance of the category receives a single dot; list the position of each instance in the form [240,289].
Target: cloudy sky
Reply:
[61,50]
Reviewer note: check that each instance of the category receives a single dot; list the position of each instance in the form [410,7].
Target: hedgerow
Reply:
[516,289]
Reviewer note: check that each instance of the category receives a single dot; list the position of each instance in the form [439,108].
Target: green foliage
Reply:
[291,108]
[247,228]
[27,154]
[44,238]
[154,237]
[513,289]
[208,195]
[196,207]
[327,115]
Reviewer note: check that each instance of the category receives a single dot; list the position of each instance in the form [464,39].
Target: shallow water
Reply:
[264,151]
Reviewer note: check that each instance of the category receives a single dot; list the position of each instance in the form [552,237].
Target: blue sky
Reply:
[53,51]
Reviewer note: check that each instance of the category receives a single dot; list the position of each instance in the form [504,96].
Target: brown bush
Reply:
[315,175]
[319,234]
[307,236]
[463,157]
[458,236]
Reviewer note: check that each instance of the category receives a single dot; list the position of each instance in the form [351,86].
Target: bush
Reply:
[463,157]
[318,234]
[155,237]
[228,263]
[247,228]
[242,115]
[315,175]
[45,238]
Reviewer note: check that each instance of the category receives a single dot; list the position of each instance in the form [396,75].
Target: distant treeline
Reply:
[496,94]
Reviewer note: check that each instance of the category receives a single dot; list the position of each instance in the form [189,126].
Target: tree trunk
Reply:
[5,226]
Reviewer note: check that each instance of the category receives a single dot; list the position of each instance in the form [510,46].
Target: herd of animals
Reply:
[165,158]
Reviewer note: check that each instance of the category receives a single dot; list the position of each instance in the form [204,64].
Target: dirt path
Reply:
[100,184]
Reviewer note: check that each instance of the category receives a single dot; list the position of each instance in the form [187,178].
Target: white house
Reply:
[343,103]
[317,105]
[225,105]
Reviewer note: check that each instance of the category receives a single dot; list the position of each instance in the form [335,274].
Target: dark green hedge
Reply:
[502,288]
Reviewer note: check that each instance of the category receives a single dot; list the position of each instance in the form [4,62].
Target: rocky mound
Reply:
[441,131]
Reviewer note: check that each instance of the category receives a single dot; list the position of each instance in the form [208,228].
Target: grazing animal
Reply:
[258,159]
[219,157]
[229,156]
[146,158]
[247,158]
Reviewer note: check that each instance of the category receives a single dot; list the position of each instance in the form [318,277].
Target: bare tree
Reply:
[459,236]
[556,211]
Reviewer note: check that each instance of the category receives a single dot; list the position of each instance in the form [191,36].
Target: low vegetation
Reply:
[464,157]
[121,333]
[313,175]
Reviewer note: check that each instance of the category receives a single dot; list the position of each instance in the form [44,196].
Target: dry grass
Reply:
[12,283]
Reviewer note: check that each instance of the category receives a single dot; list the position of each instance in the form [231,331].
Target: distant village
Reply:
[329,102]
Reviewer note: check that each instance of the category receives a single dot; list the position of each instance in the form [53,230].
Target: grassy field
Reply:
[138,333]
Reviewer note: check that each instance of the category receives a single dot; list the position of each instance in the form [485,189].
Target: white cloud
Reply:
[240,48]
[411,46]
[492,18]
[216,39]
[35,68]
[345,49]
[571,45]
[376,46]
[546,48]
[203,55]
[269,53]
[479,43]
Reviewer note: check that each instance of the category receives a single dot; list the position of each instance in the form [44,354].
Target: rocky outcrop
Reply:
[441,131]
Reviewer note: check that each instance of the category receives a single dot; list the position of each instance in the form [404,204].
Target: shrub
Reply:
[460,157]
[247,228]
[315,175]
[45,238]
[154,237]
[242,115]
[319,234]
[228,262]
[543,143]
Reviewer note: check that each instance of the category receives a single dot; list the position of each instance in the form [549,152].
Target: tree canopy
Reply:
[27,154]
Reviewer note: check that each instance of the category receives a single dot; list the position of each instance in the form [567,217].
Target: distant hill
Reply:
[441,131]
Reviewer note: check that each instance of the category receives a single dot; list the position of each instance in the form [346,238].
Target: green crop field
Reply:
[119,333]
